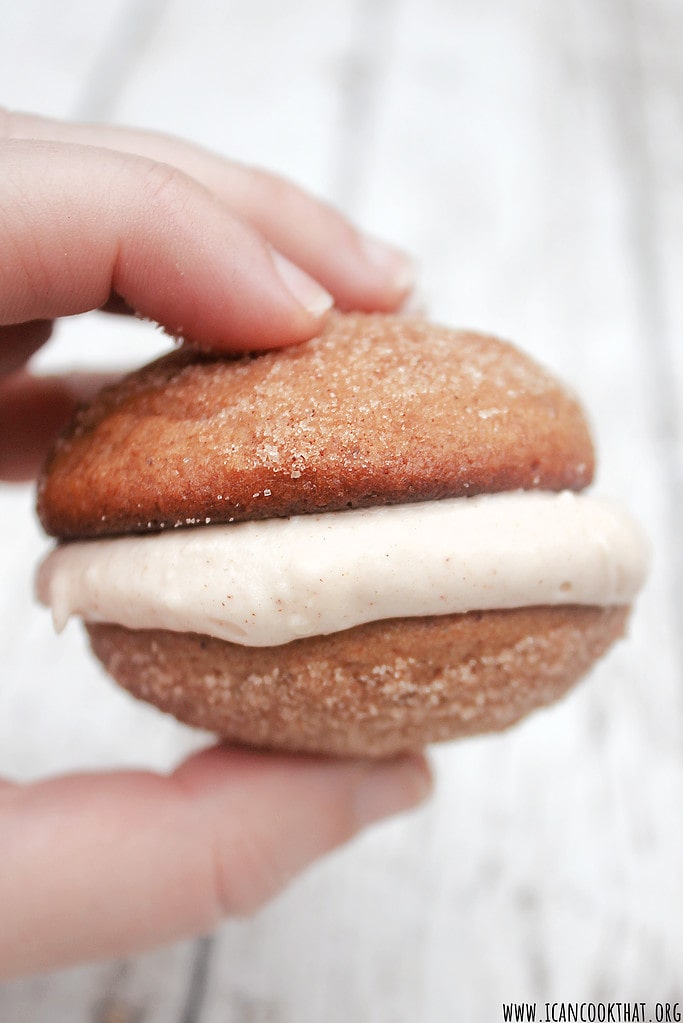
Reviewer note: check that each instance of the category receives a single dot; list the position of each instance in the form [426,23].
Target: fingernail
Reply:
[391,262]
[305,289]
[415,305]
[392,787]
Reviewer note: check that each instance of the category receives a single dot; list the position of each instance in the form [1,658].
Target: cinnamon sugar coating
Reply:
[375,410]
[374,690]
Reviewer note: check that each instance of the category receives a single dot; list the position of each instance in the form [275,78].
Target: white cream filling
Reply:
[269,582]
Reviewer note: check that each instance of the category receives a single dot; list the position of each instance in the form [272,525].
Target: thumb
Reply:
[97,866]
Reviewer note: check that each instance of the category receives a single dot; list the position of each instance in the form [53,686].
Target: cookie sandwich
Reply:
[358,545]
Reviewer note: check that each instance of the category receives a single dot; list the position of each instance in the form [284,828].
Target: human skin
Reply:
[231,258]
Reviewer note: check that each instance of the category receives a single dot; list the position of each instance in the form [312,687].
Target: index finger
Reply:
[361,272]
[77,223]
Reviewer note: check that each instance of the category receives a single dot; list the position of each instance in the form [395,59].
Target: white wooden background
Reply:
[530,152]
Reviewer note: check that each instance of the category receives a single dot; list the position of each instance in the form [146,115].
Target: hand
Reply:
[107,865]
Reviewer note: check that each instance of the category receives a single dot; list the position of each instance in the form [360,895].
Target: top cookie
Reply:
[376,410]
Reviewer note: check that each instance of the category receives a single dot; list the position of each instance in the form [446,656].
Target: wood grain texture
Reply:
[531,154]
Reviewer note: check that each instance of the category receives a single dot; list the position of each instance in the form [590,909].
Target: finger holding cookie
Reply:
[226,256]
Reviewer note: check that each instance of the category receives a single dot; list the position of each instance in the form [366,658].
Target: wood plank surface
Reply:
[531,155]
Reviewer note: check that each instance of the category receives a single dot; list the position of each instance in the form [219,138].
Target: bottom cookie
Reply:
[374,690]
